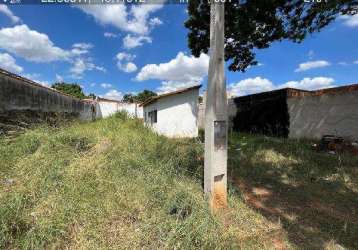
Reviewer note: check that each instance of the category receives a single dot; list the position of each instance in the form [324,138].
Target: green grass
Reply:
[312,195]
[113,184]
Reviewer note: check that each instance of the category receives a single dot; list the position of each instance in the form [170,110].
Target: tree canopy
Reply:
[140,97]
[251,24]
[73,89]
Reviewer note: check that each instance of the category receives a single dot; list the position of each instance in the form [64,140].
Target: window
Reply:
[152,116]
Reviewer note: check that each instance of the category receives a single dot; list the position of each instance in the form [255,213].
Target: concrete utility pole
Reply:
[216,121]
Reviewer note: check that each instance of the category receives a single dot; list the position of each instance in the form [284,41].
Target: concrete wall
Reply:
[133,109]
[105,108]
[19,94]
[176,114]
[232,109]
[317,115]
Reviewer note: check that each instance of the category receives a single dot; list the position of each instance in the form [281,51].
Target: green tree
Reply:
[257,24]
[140,97]
[69,88]
[129,98]
[91,96]
[145,95]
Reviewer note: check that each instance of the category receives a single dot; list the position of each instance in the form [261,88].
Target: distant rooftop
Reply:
[179,91]
[292,92]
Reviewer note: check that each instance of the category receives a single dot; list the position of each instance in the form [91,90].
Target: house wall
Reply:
[176,114]
[105,109]
[108,108]
[317,115]
[132,108]
[19,95]
[231,108]
[263,113]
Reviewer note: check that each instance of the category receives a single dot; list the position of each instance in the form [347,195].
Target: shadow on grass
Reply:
[312,195]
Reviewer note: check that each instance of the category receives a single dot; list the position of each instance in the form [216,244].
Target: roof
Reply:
[107,100]
[156,98]
[292,92]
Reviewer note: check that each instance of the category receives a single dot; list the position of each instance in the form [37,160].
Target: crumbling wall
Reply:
[21,98]
[264,113]
[334,113]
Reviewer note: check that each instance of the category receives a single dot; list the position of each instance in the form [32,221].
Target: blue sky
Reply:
[117,49]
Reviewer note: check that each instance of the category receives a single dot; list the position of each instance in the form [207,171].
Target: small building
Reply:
[297,113]
[173,114]
[107,107]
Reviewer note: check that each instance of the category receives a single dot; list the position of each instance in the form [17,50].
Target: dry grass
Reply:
[313,196]
[113,184]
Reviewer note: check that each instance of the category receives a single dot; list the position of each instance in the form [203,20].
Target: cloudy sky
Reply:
[117,49]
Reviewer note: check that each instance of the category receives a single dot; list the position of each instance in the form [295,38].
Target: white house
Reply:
[173,114]
[107,107]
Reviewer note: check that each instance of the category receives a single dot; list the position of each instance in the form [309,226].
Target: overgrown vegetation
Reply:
[114,184]
[312,195]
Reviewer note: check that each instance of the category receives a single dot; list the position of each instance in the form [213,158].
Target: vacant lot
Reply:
[113,184]
[313,196]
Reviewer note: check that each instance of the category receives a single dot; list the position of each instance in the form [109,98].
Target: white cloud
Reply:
[113,95]
[124,62]
[350,20]
[8,62]
[250,86]
[155,21]
[5,10]
[182,68]
[132,18]
[81,48]
[180,72]
[130,42]
[106,85]
[30,44]
[59,78]
[80,65]
[311,65]
[343,63]
[110,35]
[355,62]
[125,56]
[37,47]
[170,86]
[311,54]
[129,67]
[310,83]
[36,78]
[258,85]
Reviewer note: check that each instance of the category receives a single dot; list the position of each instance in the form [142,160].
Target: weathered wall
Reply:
[263,113]
[330,113]
[201,115]
[176,114]
[20,94]
[231,113]
[105,108]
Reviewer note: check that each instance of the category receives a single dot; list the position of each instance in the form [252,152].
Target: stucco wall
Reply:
[176,114]
[107,108]
[18,94]
[332,113]
[231,113]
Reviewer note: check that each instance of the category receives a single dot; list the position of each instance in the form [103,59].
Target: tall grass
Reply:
[113,184]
